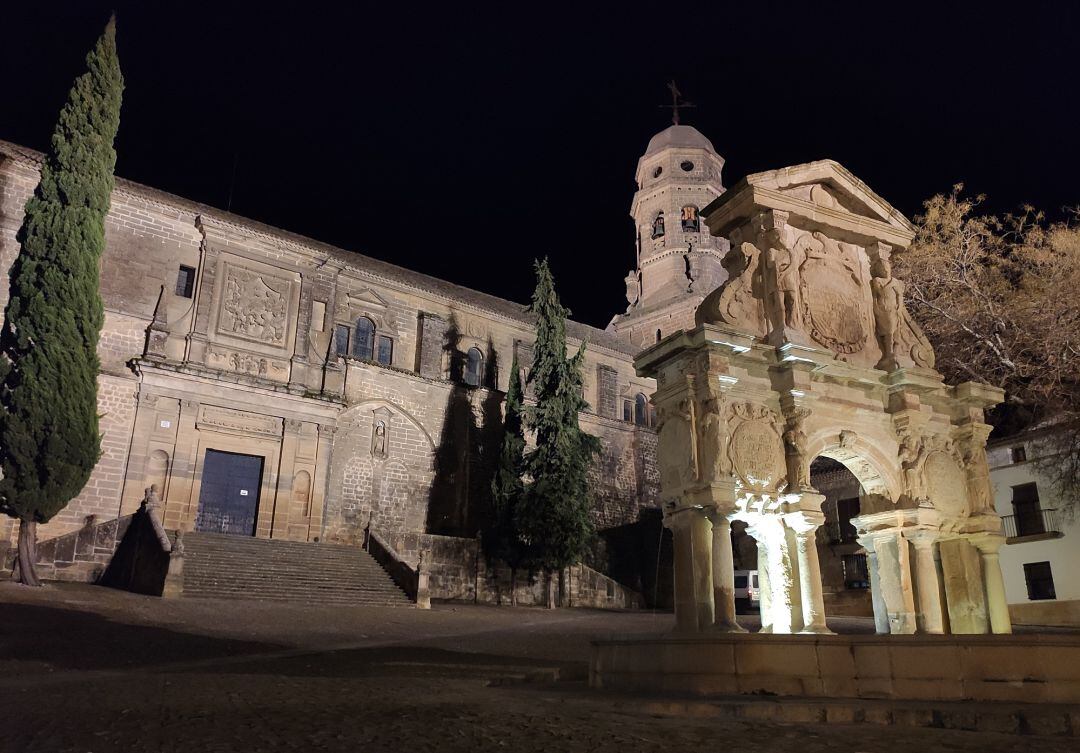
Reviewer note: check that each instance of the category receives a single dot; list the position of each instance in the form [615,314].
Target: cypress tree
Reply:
[507,486]
[555,516]
[49,439]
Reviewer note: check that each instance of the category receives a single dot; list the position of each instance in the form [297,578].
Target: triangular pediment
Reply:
[367,297]
[832,186]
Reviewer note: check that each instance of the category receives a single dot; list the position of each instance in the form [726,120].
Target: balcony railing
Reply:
[1040,523]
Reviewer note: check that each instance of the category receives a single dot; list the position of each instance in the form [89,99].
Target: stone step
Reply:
[240,567]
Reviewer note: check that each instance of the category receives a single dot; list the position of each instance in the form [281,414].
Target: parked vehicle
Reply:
[746,590]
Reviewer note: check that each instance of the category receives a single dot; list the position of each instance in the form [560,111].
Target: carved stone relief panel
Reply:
[255,305]
[238,421]
[252,364]
[946,483]
[757,451]
[675,449]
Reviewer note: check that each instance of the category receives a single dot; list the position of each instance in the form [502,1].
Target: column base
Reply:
[728,627]
[815,630]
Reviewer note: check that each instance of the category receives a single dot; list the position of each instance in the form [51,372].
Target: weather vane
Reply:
[676,102]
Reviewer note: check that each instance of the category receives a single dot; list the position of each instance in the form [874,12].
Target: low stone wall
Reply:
[1025,669]
[458,571]
[1052,613]
[80,555]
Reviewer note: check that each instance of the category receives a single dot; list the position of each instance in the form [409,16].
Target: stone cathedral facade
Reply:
[274,386]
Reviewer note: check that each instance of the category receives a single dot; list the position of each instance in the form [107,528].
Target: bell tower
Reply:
[678,261]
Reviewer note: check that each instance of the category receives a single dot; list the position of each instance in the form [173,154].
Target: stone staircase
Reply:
[218,566]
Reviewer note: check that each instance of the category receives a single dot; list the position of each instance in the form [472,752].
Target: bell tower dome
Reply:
[678,261]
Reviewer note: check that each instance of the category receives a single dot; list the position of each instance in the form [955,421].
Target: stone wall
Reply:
[458,571]
[81,555]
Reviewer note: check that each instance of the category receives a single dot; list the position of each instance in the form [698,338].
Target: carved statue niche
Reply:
[978,471]
[380,428]
[795,454]
[675,447]
[899,337]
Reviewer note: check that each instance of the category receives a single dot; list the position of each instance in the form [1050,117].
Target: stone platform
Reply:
[1013,668]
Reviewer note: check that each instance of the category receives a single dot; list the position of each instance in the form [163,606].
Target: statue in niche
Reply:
[913,452]
[798,465]
[784,274]
[974,461]
[378,439]
[713,433]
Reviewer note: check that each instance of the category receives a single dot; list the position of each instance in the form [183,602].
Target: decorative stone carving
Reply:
[798,464]
[247,363]
[848,438]
[378,439]
[897,333]
[831,291]
[739,300]
[912,454]
[756,448]
[946,483]
[712,432]
[255,306]
[238,421]
[675,448]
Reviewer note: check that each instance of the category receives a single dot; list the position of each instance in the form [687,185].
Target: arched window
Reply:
[641,410]
[474,367]
[363,339]
[658,226]
[690,222]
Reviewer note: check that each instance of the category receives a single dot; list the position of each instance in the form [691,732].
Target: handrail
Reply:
[1046,522]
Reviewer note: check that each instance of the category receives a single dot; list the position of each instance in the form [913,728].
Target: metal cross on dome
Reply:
[676,102]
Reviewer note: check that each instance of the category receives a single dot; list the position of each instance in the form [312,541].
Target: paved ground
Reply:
[88,669]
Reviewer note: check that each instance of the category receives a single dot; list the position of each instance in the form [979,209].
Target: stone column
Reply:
[812,598]
[764,584]
[895,582]
[881,614]
[691,533]
[723,576]
[930,617]
[785,601]
[997,605]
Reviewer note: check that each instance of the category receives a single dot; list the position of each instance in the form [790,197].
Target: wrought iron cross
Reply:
[676,102]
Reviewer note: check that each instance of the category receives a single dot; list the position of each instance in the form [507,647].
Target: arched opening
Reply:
[659,336]
[474,367]
[690,221]
[658,225]
[845,574]
[364,339]
[641,410]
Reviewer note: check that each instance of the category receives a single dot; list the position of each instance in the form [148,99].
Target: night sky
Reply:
[465,142]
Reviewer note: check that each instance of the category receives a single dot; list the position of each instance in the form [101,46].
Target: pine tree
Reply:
[555,516]
[507,486]
[49,439]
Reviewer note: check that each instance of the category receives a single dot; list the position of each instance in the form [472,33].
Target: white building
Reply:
[1041,556]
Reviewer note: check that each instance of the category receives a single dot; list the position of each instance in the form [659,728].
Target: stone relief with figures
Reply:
[255,306]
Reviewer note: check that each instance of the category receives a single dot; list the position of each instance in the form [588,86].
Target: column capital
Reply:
[804,522]
[682,516]
[922,538]
[987,543]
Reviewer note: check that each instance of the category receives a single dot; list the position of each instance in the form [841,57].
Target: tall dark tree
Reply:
[49,439]
[507,487]
[554,518]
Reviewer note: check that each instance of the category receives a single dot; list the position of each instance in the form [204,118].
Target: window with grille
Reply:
[341,340]
[363,339]
[1040,581]
[185,281]
[385,350]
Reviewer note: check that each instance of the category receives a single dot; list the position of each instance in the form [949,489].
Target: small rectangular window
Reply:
[318,316]
[341,340]
[185,281]
[1019,454]
[386,350]
[1040,581]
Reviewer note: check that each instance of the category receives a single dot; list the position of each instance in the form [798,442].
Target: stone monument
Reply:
[808,350]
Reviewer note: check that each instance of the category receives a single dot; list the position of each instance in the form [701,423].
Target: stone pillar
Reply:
[723,576]
[930,617]
[895,583]
[785,601]
[691,533]
[764,584]
[996,604]
[881,614]
[812,598]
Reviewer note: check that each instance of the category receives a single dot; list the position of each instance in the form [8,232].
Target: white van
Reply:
[746,590]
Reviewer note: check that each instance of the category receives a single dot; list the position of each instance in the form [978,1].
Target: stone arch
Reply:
[874,469]
[358,410]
